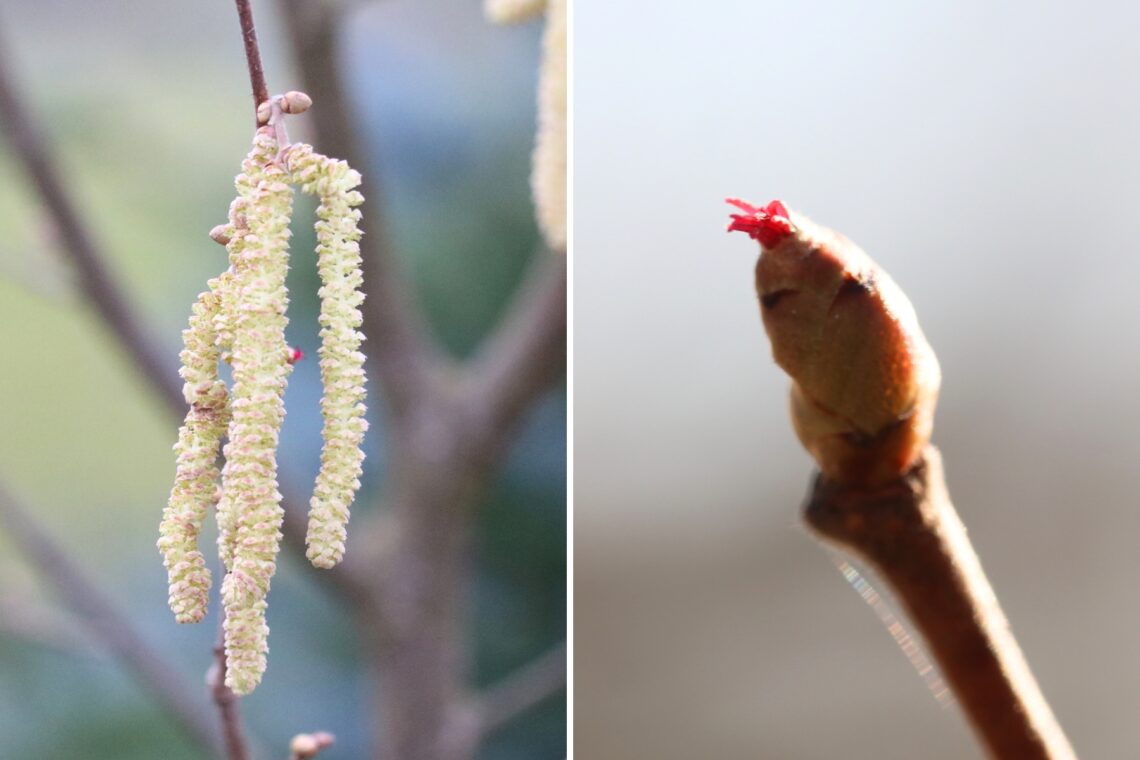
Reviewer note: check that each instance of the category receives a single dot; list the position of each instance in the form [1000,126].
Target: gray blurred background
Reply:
[988,156]
[147,108]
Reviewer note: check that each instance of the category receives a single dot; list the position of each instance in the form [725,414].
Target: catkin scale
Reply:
[864,379]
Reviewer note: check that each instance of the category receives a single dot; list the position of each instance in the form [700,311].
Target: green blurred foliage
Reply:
[146,108]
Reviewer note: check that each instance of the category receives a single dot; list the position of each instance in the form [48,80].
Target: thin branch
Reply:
[95,280]
[910,532]
[522,690]
[524,357]
[105,623]
[400,356]
[257,83]
[233,732]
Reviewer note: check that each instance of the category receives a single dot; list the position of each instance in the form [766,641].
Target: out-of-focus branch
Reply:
[233,732]
[98,285]
[45,626]
[527,687]
[257,83]
[910,532]
[448,428]
[523,358]
[400,355]
[106,624]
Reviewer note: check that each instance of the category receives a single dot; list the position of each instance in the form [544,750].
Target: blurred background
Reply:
[146,107]
[987,155]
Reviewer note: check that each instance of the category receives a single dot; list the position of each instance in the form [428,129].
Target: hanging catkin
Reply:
[241,319]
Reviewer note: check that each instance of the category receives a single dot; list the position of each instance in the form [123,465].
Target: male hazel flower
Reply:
[548,162]
[342,363]
[195,484]
[864,380]
[241,320]
[252,507]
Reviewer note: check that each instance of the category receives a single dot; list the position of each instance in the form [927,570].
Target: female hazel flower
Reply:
[864,380]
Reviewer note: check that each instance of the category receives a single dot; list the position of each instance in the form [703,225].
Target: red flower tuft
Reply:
[296,355]
[769,224]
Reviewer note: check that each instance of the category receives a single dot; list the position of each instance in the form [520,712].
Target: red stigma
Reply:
[769,224]
[296,355]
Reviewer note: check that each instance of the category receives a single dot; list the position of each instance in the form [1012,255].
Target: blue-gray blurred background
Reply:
[147,107]
[988,156]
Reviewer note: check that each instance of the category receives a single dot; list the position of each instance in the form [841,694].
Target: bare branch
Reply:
[105,623]
[525,356]
[400,356]
[96,281]
[909,531]
[233,732]
[528,687]
[257,83]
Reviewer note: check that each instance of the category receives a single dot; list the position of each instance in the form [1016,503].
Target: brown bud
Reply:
[864,379]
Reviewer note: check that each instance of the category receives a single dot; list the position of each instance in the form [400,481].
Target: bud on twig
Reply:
[305,746]
[864,379]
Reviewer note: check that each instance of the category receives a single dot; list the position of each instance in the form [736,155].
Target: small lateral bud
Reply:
[264,111]
[294,102]
[305,746]
[219,235]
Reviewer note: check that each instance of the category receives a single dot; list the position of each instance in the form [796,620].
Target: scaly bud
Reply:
[864,379]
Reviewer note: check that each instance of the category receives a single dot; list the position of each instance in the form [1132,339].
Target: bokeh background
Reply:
[147,107]
[987,155]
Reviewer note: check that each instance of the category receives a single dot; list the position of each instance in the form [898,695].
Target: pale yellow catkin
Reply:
[342,363]
[241,319]
[548,173]
[195,487]
[260,371]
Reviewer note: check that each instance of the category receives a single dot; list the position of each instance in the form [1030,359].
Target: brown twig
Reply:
[908,530]
[257,83]
[105,623]
[233,732]
[99,287]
